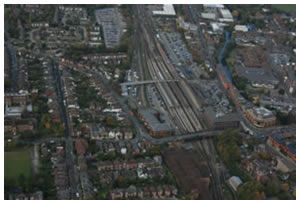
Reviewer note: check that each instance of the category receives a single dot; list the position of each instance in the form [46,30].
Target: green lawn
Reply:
[285,7]
[16,163]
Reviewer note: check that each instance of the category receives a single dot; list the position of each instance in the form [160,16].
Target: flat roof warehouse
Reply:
[168,10]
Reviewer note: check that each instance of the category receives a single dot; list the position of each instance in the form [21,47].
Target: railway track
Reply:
[178,97]
[206,149]
[167,92]
[141,70]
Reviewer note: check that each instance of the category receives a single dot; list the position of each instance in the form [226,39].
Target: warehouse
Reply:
[226,15]
[220,122]
[157,124]
[168,10]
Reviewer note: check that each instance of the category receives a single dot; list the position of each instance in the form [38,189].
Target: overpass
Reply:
[197,135]
[136,83]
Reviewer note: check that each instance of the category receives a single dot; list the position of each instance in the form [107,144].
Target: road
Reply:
[11,51]
[70,159]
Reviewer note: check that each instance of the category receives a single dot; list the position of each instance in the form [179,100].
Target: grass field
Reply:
[16,163]
[285,7]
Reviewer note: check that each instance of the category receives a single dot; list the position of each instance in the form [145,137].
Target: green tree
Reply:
[228,146]
[46,121]
[251,190]
[283,118]
[281,91]
[110,121]
[273,187]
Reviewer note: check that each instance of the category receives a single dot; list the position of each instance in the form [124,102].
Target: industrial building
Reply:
[213,7]
[220,122]
[168,10]
[226,15]
[157,123]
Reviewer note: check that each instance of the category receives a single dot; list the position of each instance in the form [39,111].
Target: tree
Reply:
[284,187]
[7,84]
[239,82]
[93,147]
[273,187]
[264,155]
[251,190]
[281,91]
[58,128]
[283,118]
[228,146]
[46,121]
[120,182]
[110,121]
[102,194]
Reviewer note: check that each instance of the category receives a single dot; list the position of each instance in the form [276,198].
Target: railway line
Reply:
[205,149]
[141,72]
[181,103]
[167,92]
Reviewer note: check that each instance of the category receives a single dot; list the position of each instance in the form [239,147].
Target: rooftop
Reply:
[286,141]
[219,117]
[226,13]
[211,16]
[156,120]
[263,112]
[213,5]
[168,9]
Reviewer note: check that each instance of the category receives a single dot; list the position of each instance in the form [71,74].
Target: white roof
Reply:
[228,20]
[241,28]
[168,9]
[208,15]
[213,5]
[235,181]
[263,111]
[14,109]
[216,26]
[226,13]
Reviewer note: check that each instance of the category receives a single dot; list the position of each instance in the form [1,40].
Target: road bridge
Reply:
[136,83]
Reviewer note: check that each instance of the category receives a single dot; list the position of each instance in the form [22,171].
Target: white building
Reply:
[209,16]
[112,110]
[226,15]
[212,6]
[235,182]
[13,111]
[217,27]
[185,25]
[168,10]
[242,28]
